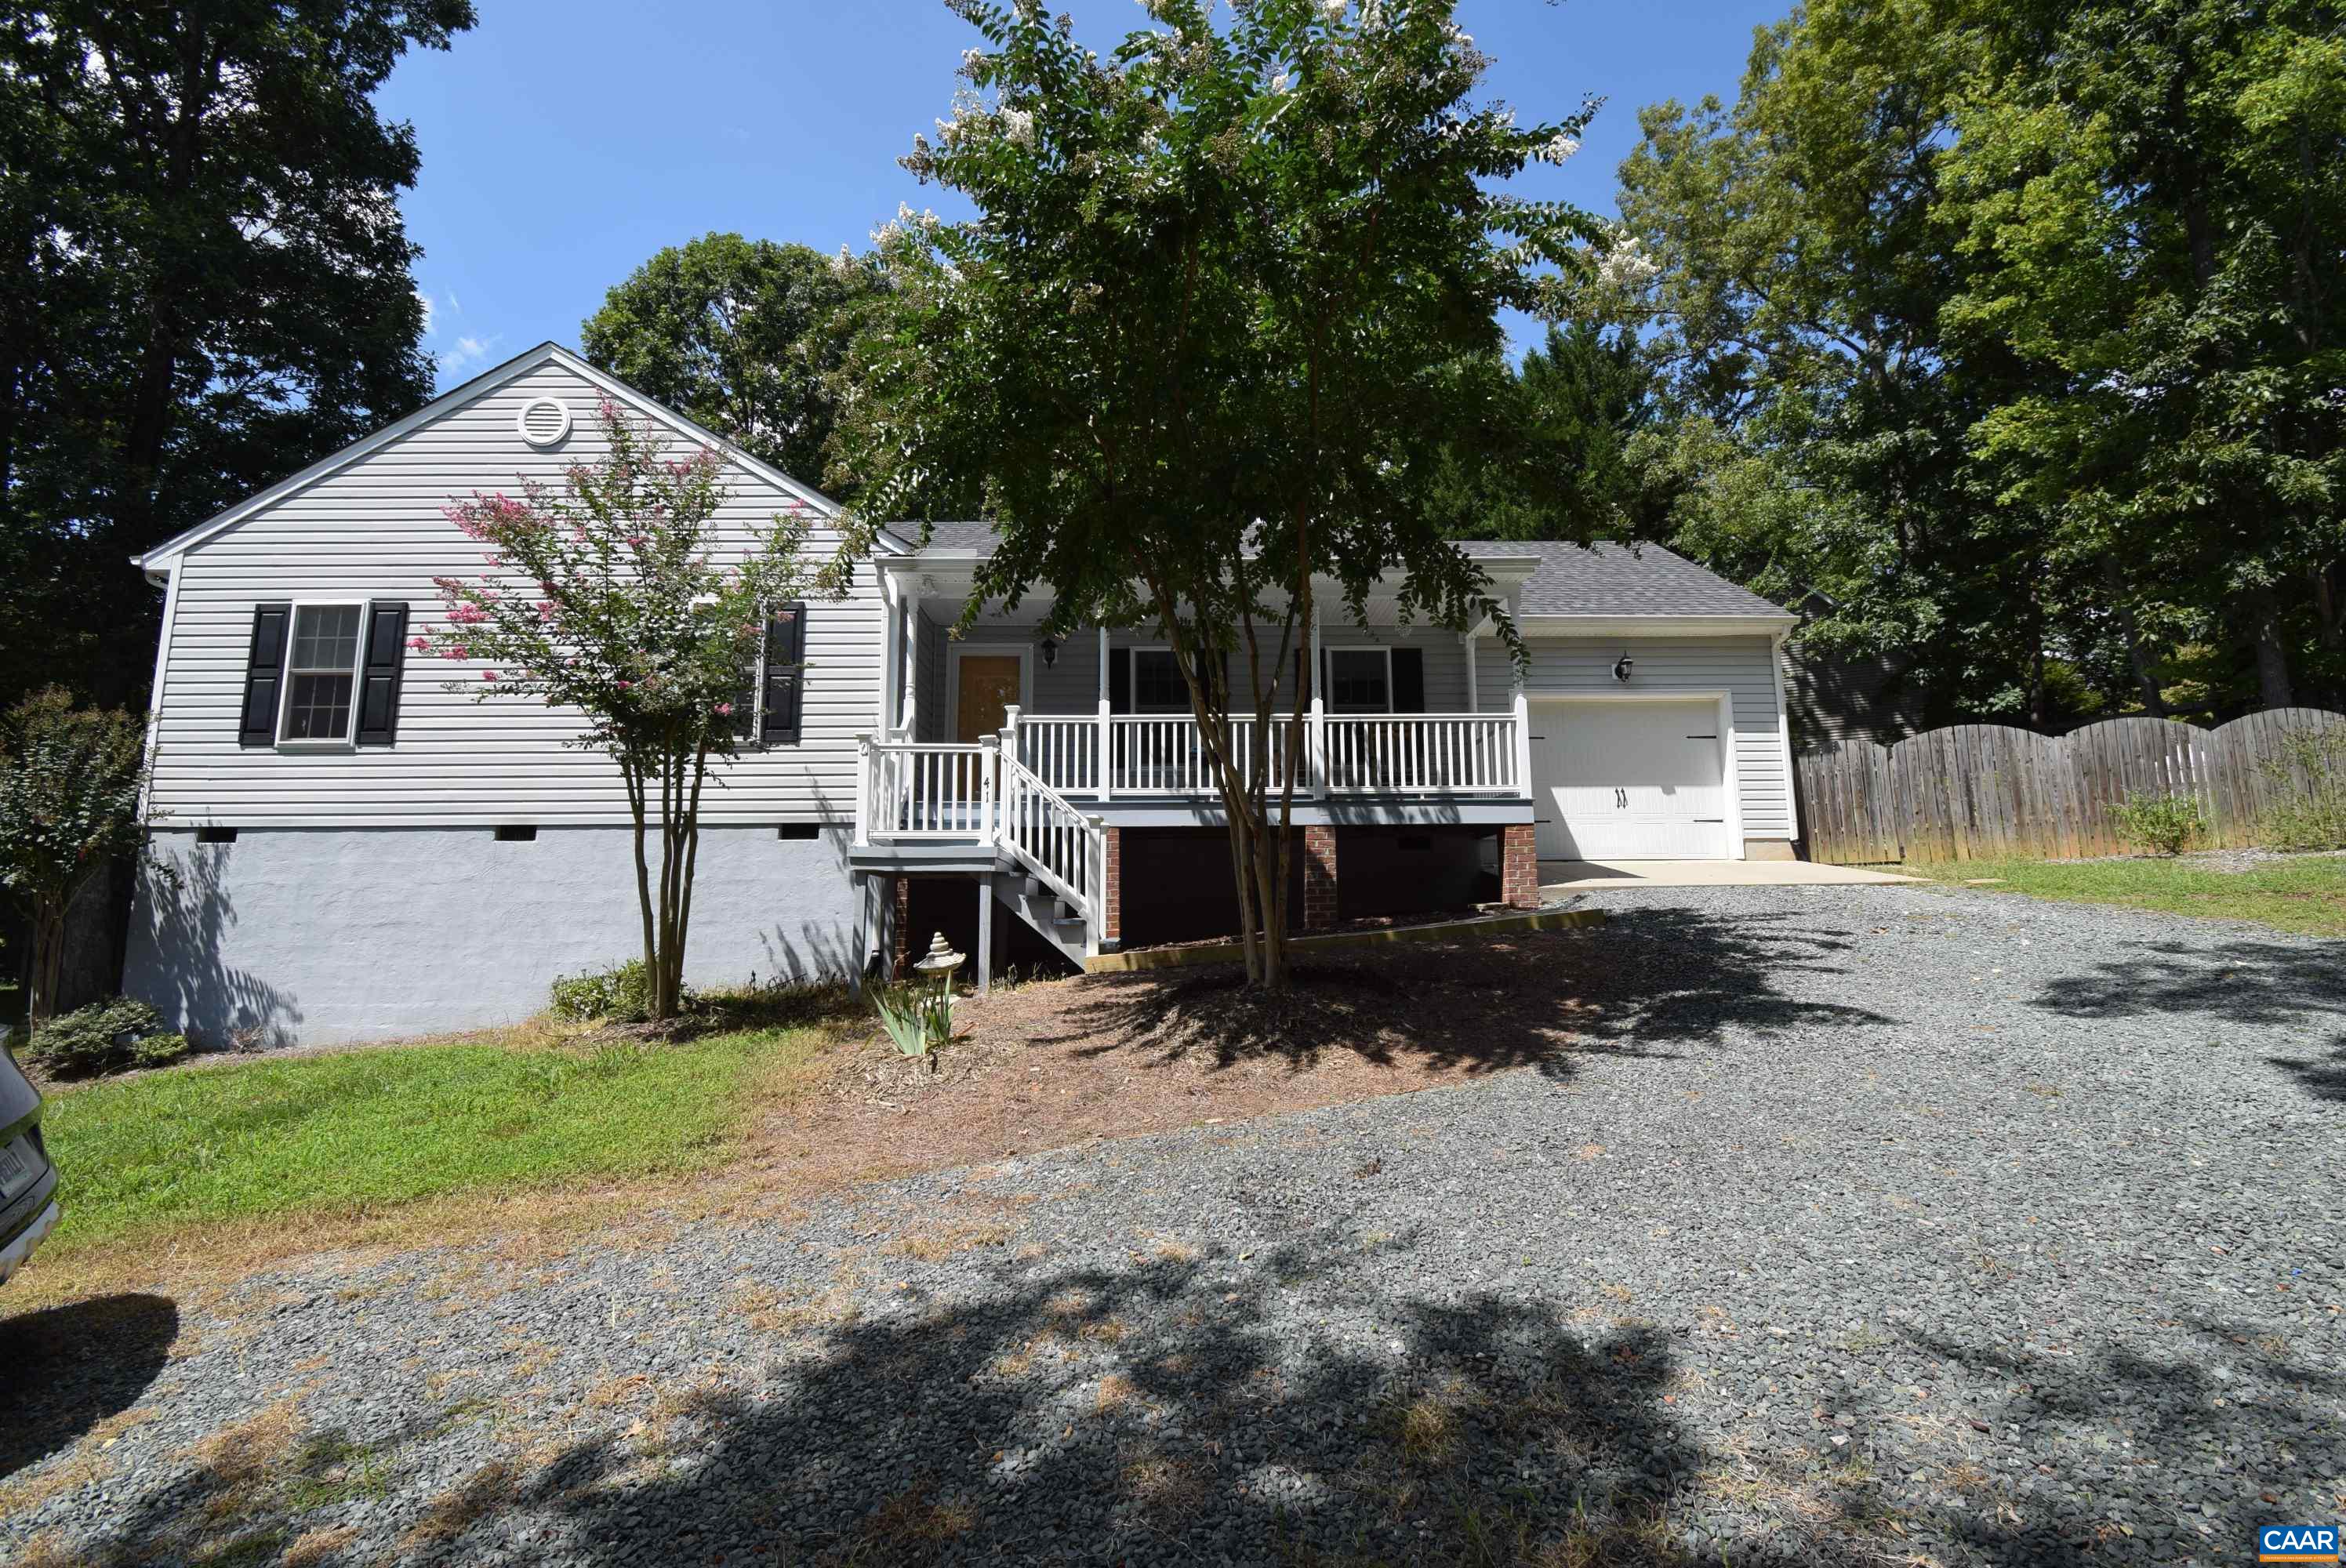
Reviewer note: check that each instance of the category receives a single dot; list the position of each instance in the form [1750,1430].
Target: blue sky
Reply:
[563,144]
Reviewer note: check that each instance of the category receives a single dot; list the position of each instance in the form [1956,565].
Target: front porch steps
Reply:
[1043,910]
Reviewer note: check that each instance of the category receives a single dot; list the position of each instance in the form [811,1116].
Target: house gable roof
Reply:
[159,559]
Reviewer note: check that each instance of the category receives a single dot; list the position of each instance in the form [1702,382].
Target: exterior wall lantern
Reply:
[1050,652]
[1621,668]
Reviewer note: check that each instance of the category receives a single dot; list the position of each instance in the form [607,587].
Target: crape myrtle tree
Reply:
[1230,294]
[609,598]
[72,785]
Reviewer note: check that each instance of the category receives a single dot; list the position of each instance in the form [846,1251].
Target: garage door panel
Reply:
[1630,780]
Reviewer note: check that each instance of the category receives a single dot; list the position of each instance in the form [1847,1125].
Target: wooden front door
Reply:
[989,685]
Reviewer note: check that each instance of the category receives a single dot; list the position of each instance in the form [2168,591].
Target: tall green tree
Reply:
[2011,327]
[2146,200]
[745,336]
[204,285]
[1563,461]
[1230,295]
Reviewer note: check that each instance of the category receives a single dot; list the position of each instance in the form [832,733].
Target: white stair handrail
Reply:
[1058,844]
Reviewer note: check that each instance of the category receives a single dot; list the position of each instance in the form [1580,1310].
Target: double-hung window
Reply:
[1360,681]
[1157,682]
[321,675]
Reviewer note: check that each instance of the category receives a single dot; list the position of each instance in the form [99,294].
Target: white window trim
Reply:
[953,653]
[1329,675]
[1134,651]
[347,739]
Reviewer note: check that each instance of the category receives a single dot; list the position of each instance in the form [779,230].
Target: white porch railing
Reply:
[1371,753]
[911,791]
[1421,754]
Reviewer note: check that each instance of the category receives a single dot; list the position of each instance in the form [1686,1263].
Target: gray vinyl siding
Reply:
[375,530]
[1738,666]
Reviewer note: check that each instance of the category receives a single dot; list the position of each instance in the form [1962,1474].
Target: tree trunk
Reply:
[2273,687]
[48,958]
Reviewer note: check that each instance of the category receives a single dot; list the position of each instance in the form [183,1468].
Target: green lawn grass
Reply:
[2306,895]
[357,1132]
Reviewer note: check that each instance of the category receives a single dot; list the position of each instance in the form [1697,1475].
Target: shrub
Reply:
[2162,824]
[620,994]
[159,1050]
[2311,768]
[92,1039]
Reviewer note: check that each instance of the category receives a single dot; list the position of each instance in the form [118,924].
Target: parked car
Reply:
[28,1181]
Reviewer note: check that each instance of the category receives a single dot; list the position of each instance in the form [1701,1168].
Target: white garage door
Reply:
[1630,780]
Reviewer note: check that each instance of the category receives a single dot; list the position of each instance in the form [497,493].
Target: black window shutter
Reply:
[1119,680]
[785,675]
[264,674]
[379,671]
[1409,680]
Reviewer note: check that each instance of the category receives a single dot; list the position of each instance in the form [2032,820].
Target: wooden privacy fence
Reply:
[1980,791]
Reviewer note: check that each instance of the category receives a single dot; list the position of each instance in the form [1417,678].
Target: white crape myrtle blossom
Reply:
[1334,9]
[1627,265]
[1557,149]
[1279,82]
[1018,125]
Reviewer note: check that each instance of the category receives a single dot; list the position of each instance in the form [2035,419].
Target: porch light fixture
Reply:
[1050,652]
[1621,668]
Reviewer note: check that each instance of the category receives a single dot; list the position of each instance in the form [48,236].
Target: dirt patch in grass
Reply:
[1055,1063]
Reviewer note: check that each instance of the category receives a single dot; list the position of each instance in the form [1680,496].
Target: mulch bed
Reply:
[1055,1063]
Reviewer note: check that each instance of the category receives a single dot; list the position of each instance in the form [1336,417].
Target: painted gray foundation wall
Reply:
[312,935]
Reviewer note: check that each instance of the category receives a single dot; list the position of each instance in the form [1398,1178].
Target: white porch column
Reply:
[891,652]
[1523,739]
[1316,740]
[1473,687]
[911,679]
[1106,729]
[862,790]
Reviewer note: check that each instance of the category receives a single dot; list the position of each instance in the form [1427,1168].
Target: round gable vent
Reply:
[543,421]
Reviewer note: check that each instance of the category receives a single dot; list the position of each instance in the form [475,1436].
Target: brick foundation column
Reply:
[1112,873]
[1319,900]
[901,894]
[1519,866]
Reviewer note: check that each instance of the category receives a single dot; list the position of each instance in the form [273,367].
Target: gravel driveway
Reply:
[1874,1225]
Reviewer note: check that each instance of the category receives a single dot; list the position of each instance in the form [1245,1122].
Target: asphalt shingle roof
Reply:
[1571,580]
[1621,580]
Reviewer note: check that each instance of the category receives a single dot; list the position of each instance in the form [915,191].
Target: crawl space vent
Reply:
[543,421]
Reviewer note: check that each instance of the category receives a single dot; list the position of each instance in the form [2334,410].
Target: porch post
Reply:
[862,790]
[910,680]
[1473,687]
[1522,741]
[1106,729]
[985,936]
[989,768]
[1317,739]
[891,651]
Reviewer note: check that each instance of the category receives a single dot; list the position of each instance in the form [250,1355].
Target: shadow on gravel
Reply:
[66,1368]
[2324,1078]
[1647,979]
[2183,1419]
[1137,1416]
[2244,981]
